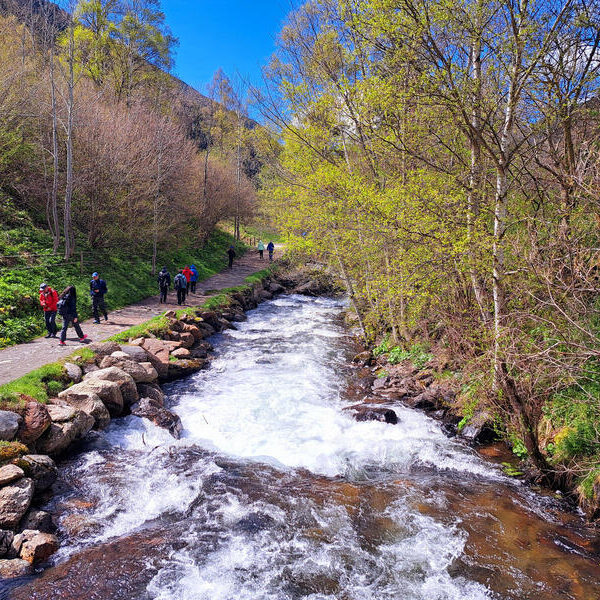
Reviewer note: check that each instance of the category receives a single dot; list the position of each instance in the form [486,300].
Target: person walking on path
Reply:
[49,300]
[164,283]
[188,279]
[231,255]
[194,279]
[271,249]
[97,291]
[261,249]
[67,309]
[180,284]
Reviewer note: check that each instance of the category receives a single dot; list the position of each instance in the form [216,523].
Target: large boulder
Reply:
[135,353]
[9,425]
[35,546]
[275,288]
[108,391]
[60,414]
[152,391]
[132,368]
[104,348]
[89,403]
[41,469]
[184,367]
[35,421]
[160,416]
[158,355]
[14,502]
[11,569]
[74,372]
[61,435]
[10,473]
[119,376]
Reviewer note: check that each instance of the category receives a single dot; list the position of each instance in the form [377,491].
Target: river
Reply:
[275,493]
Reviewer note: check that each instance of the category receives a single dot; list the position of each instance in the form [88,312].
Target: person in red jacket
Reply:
[49,300]
[188,277]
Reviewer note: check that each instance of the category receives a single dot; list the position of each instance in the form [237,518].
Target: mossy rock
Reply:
[11,450]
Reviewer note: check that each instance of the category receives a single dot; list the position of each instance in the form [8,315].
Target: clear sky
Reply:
[236,35]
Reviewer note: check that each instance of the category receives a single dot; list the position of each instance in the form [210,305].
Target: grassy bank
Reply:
[25,262]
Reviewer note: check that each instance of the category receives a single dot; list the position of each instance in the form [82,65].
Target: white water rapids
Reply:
[274,492]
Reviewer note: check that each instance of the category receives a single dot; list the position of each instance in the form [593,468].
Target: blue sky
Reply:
[236,35]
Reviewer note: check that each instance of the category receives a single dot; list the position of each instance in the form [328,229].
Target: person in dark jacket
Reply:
[164,283]
[180,284]
[194,279]
[68,311]
[97,291]
[231,255]
[271,249]
[49,300]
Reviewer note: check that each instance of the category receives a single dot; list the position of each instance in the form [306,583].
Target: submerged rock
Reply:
[367,412]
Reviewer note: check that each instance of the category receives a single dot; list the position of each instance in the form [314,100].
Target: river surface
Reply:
[275,493]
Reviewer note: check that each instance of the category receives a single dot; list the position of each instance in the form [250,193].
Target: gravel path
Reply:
[19,360]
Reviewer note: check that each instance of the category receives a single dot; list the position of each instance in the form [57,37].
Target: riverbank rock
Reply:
[39,520]
[101,349]
[6,540]
[35,421]
[60,414]
[74,372]
[181,353]
[134,369]
[135,353]
[152,391]
[367,412]
[11,569]
[184,367]
[61,435]
[41,469]
[10,473]
[160,416]
[9,425]
[90,403]
[158,354]
[122,378]
[14,502]
[108,391]
[35,546]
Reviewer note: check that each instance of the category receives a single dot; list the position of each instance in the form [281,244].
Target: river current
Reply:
[275,493]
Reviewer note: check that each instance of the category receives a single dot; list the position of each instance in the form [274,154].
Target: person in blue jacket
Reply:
[97,291]
[194,278]
[271,249]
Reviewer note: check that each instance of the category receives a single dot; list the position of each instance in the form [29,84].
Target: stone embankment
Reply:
[119,380]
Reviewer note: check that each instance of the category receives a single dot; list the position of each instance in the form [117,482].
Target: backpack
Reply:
[61,305]
[162,279]
[180,281]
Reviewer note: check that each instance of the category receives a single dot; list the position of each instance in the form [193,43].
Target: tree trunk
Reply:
[68,228]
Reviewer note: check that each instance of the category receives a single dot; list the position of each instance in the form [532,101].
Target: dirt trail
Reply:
[19,360]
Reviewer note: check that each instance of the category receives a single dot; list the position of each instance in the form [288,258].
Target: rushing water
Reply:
[275,493]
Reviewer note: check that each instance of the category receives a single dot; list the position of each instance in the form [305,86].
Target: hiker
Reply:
[67,309]
[194,279]
[261,249]
[97,290]
[180,284]
[164,283]
[188,279]
[271,249]
[231,254]
[49,300]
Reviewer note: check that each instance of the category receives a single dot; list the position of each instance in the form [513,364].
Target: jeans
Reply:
[98,305]
[67,319]
[163,293]
[50,319]
[180,295]
[193,286]
[260,252]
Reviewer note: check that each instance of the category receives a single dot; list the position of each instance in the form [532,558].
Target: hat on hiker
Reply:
[94,274]
[43,286]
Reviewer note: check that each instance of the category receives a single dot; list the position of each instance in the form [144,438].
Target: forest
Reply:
[444,157]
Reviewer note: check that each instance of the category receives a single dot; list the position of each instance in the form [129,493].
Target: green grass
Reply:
[129,278]
[40,384]
[156,326]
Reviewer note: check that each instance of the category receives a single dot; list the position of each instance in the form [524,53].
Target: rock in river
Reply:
[14,502]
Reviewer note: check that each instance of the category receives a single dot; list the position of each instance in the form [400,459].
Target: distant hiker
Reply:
[194,279]
[271,249]
[164,283]
[49,300]
[261,249]
[231,254]
[67,309]
[180,284]
[188,278]
[97,290]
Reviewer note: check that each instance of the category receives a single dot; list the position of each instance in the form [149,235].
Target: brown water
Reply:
[275,493]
